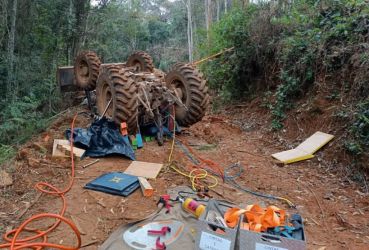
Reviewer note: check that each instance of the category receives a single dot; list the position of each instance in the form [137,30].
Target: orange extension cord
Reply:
[29,242]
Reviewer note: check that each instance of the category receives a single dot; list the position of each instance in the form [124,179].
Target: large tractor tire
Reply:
[190,87]
[86,69]
[141,62]
[117,84]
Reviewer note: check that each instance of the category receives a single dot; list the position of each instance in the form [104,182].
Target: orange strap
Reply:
[123,129]
[257,218]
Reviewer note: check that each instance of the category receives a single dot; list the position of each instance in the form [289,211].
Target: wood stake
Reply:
[91,163]
[146,188]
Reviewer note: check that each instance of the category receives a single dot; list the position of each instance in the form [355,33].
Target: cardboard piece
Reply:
[305,150]
[147,170]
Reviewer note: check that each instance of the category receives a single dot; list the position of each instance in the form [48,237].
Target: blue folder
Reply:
[116,183]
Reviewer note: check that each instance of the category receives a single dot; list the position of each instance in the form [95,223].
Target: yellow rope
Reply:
[290,203]
[193,177]
[212,56]
[174,137]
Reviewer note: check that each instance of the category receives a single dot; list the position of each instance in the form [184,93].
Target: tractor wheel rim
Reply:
[180,89]
[83,69]
[107,95]
[137,66]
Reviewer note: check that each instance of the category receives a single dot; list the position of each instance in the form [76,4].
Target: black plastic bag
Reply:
[102,138]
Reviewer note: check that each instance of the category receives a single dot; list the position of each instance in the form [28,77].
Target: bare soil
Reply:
[335,208]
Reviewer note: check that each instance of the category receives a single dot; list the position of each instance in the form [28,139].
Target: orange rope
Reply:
[14,243]
[204,163]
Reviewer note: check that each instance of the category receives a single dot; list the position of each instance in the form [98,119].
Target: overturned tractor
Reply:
[137,93]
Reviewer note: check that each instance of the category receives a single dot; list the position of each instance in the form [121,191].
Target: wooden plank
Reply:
[147,170]
[61,146]
[315,142]
[57,152]
[293,155]
[146,188]
[305,150]
[76,151]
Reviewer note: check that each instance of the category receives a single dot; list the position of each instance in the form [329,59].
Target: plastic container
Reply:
[193,207]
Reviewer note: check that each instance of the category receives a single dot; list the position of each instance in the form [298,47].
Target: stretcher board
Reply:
[315,142]
[305,150]
[293,155]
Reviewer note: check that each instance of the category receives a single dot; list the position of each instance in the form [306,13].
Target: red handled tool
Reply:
[162,232]
[159,245]
[164,199]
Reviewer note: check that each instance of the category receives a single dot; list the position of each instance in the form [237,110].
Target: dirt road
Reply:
[335,209]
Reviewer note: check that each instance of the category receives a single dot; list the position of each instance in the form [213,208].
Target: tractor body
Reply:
[136,92]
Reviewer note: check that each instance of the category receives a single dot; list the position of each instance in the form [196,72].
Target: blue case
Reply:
[116,183]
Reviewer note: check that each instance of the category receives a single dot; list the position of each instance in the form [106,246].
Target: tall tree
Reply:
[11,81]
[208,16]
[82,8]
[189,31]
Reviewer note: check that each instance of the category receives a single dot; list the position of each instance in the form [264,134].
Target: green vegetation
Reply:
[360,130]
[283,50]
[291,49]
[6,152]
[38,36]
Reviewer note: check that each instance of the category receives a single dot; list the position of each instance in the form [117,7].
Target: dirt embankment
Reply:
[335,208]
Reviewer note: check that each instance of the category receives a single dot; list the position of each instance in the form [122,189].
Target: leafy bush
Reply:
[21,119]
[360,130]
[231,75]
[299,43]
[6,152]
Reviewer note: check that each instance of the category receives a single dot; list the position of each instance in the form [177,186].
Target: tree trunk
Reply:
[70,38]
[81,10]
[208,16]
[11,82]
[189,31]
[218,10]
[225,6]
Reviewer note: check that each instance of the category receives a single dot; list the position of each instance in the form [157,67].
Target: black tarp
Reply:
[102,138]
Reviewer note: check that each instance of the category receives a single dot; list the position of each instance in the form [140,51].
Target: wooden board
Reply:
[76,151]
[56,151]
[147,170]
[146,188]
[315,142]
[61,148]
[293,155]
[305,150]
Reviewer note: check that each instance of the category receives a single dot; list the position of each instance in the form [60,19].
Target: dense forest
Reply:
[37,36]
[283,51]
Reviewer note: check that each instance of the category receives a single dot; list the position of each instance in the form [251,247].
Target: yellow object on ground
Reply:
[305,150]
[193,207]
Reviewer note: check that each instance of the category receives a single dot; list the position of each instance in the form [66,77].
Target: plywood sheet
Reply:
[147,170]
[293,155]
[315,142]
[306,149]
